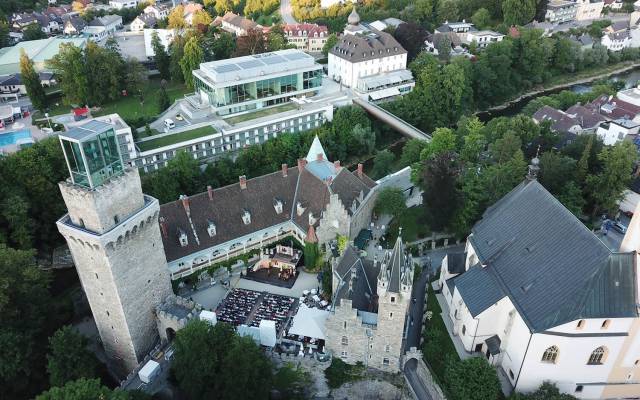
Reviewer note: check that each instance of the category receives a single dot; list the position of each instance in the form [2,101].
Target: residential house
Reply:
[561,11]
[190,9]
[589,9]
[483,38]
[23,20]
[612,132]
[585,41]
[236,24]
[160,11]
[101,27]
[577,120]
[143,21]
[543,299]
[120,4]
[318,195]
[434,43]
[74,26]
[459,28]
[616,41]
[381,25]
[307,37]
[373,63]
[12,87]
[369,311]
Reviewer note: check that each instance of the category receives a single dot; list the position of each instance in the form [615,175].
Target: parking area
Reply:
[613,237]
[131,45]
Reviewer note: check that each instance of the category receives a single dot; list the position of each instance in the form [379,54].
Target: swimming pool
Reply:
[7,138]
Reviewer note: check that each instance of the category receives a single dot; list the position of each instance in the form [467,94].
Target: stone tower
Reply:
[113,234]
[394,297]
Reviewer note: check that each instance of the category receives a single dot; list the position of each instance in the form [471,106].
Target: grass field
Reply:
[260,113]
[438,346]
[175,138]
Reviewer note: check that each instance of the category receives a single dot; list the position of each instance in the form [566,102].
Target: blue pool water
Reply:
[7,138]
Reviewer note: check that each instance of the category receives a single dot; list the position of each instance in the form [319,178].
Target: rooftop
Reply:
[256,66]
[362,47]
[38,50]
[86,131]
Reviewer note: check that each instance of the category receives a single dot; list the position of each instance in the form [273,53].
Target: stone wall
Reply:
[165,319]
[335,221]
[344,322]
[362,218]
[391,323]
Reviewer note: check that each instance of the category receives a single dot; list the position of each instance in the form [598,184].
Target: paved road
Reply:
[414,380]
[286,12]
[416,310]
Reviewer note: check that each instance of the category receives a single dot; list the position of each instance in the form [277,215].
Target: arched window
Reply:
[581,324]
[550,355]
[605,324]
[598,356]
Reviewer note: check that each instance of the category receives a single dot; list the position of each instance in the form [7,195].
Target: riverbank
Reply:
[553,87]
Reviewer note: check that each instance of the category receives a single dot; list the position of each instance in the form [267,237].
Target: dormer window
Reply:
[211,229]
[182,238]
[312,219]
[277,205]
[299,209]
[246,217]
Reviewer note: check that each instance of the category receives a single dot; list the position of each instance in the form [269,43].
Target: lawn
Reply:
[261,113]
[438,346]
[175,138]
[413,226]
[129,107]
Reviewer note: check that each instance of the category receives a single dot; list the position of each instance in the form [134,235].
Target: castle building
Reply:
[369,61]
[544,299]
[370,308]
[218,224]
[112,231]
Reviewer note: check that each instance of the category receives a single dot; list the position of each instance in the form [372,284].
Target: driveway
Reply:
[416,310]
[286,12]
[410,371]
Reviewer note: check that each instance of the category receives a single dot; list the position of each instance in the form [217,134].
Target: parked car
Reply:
[619,227]
[179,117]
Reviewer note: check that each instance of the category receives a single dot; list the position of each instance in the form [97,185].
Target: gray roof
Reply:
[493,344]
[363,47]
[396,267]
[456,262]
[358,282]
[551,266]
[87,130]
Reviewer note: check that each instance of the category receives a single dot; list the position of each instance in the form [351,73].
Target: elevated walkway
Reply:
[396,123]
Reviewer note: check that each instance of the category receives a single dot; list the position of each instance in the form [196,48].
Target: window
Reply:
[550,355]
[343,354]
[598,356]
[579,388]
[385,361]
[511,375]
[605,324]
[464,329]
[345,324]
[581,324]
[345,341]
[96,275]
[390,315]
[81,223]
[393,299]
[116,220]
[387,348]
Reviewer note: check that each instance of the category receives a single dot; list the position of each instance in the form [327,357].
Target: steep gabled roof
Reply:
[551,266]
[357,281]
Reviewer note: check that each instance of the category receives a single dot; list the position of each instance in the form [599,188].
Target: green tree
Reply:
[33,32]
[176,19]
[481,18]
[176,52]
[572,198]
[546,391]
[291,381]
[518,12]
[607,187]
[556,171]
[191,60]
[246,371]
[472,379]
[583,164]
[411,151]
[382,163]
[69,358]
[180,176]
[69,66]
[31,81]
[310,254]
[425,10]
[90,389]
[447,10]
[332,40]
[136,77]
[15,210]
[224,46]
[161,57]
[443,141]
[391,202]
[444,49]
[5,39]
[362,140]
[163,100]
[439,181]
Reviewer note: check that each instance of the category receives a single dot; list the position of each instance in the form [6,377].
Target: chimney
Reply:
[243,182]
[285,170]
[319,157]
[360,173]
[301,164]
[210,191]
[185,204]
[337,165]
[163,228]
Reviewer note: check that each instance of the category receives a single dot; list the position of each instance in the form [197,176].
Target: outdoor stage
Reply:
[263,276]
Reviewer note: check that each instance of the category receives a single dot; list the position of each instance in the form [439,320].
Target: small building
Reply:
[236,24]
[612,132]
[616,41]
[459,28]
[576,120]
[101,27]
[585,41]
[74,26]
[561,11]
[589,9]
[39,51]
[143,21]
[381,25]
[307,37]
[483,38]
[190,10]
[160,11]
[120,4]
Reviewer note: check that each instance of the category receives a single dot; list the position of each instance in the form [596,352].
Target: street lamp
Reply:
[46,115]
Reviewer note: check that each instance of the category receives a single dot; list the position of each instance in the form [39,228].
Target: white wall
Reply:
[615,133]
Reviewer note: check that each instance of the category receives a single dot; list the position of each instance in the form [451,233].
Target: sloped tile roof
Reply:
[363,47]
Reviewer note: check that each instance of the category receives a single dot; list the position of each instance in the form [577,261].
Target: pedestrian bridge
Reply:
[396,123]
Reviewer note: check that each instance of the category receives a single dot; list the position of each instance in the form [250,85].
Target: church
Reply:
[316,196]
[544,299]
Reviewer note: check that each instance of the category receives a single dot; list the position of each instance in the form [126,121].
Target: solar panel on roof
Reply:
[273,60]
[226,68]
[250,64]
[296,56]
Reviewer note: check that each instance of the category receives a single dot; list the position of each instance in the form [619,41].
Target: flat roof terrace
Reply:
[259,66]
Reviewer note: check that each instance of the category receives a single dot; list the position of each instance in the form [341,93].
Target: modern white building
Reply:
[371,62]
[543,299]
[256,81]
[483,38]
[561,11]
[589,9]
[612,132]
[120,4]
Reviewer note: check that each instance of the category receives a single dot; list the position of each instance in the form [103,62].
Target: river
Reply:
[631,78]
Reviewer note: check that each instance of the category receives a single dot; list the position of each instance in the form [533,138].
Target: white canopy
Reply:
[309,322]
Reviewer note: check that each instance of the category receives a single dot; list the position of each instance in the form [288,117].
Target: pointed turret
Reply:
[316,151]
[311,235]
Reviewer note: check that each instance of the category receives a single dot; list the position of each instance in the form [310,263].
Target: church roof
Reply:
[553,269]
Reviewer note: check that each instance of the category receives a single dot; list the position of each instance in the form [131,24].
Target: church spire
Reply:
[534,167]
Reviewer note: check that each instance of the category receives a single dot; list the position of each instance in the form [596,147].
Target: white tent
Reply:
[208,316]
[268,333]
[309,322]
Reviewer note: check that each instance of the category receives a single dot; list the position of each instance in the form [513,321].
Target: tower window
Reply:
[96,275]
[81,222]
[393,299]
[390,315]
[387,348]
[385,361]
[108,313]
[116,220]
[345,324]
[345,341]
[464,329]
[550,355]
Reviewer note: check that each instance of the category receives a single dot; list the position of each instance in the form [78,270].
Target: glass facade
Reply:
[262,89]
[93,160]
